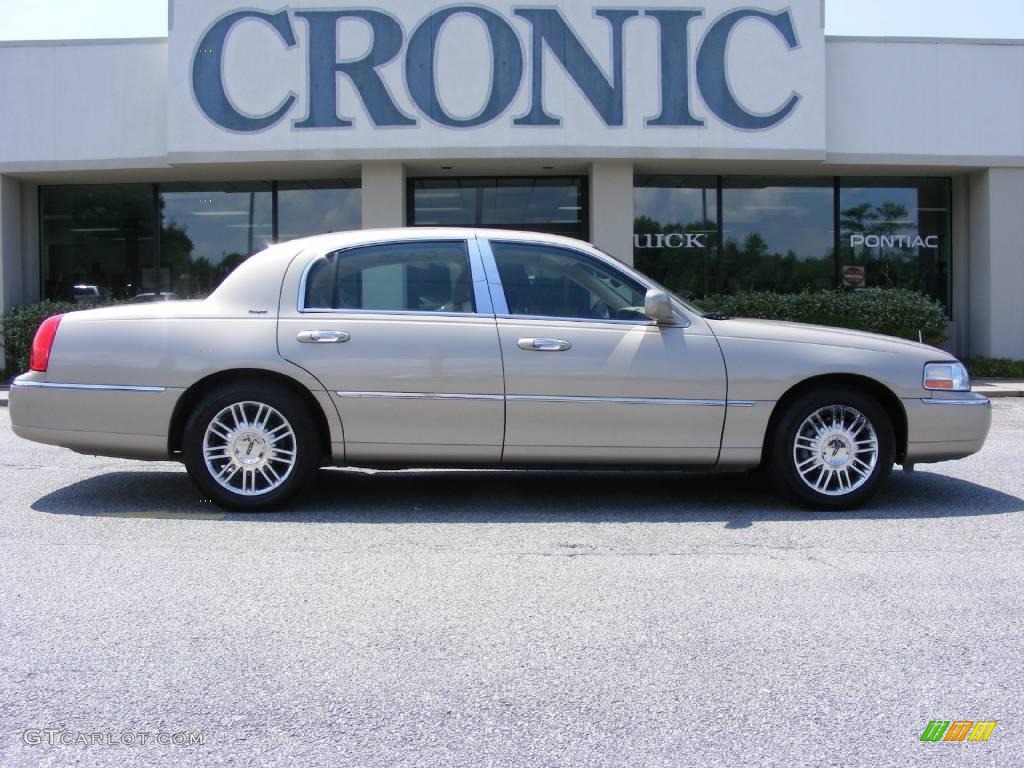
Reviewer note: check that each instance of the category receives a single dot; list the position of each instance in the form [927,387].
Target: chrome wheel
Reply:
[835,450]
[249,448]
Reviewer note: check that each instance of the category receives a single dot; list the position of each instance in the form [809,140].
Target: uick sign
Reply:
[580,78]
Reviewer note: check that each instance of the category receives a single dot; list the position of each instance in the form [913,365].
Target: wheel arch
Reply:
[886,398]
[192,396]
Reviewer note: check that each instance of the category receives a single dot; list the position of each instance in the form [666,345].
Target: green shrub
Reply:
[19,328]
[19,325]
[994,368]
[894,312]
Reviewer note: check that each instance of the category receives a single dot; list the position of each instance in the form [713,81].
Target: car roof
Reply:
[366,236]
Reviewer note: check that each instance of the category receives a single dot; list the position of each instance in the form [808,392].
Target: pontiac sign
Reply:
[346,75]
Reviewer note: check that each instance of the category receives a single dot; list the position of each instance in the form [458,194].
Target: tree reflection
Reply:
[689,272]
[746,264]
[891,265]
[751,265]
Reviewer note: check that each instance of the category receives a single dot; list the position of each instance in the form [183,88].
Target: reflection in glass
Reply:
[675,232]
[549,204]
[208,230]
[899,231]
[541,281]
[778,234]
[403,277]
[97,241]
[317,207]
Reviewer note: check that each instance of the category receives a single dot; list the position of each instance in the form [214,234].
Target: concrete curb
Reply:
[991,393]
[999,388]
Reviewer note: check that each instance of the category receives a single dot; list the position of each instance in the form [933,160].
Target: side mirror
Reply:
[658,307]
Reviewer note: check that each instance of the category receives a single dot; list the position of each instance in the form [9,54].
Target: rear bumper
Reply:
[104,420]
[948,427]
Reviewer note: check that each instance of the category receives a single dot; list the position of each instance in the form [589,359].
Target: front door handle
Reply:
[322,337]
[545,345]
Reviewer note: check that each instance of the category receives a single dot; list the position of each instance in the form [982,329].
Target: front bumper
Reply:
[946,426]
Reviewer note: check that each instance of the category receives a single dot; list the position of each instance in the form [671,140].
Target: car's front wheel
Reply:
[250,446]
[833,448]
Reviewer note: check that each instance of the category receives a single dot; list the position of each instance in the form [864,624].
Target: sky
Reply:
[75,19]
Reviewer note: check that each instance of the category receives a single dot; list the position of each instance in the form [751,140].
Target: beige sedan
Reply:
[466,348]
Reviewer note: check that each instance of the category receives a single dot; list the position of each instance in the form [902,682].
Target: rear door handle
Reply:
[322,337]
[545,345]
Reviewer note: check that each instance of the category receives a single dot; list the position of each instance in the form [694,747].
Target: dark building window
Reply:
[552,204]
[317,207]
[898,230]
[777,234]
[208,230]
[783,233]
[97,241]
[675,235]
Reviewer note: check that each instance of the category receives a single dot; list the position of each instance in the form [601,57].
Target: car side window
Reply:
[396,277]
[546,281]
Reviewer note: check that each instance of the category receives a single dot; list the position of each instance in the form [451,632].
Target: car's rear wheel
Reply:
[832,448]
[250,446]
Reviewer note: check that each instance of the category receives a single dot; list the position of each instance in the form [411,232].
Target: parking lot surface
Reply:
[508,619]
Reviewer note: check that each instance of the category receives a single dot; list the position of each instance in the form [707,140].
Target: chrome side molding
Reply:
[98,387]
[420,395]
[941,401]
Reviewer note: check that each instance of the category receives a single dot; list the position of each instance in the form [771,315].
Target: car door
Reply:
[588,376]
[403,335]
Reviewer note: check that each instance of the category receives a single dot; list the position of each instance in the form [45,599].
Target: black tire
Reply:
[266,493]
[818,463]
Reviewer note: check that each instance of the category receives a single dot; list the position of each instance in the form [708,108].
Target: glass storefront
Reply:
[898,230]
[552,204]
[777,234]
[317,207]
[696,234]
[208,230]
[675,236]
[97,241]
[703,235]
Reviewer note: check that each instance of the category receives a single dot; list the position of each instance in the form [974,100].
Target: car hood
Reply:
[801,333]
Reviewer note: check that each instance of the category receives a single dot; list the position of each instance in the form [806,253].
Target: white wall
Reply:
[31,266]
[83,105]
[997,263]
[10,242]
[611,208]
[104,104]
[383,195]
[10,245]
[954,103]
[259,72]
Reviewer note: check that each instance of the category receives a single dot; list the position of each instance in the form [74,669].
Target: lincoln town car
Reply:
[471,348]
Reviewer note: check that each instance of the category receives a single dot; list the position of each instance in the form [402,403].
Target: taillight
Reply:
[43,343]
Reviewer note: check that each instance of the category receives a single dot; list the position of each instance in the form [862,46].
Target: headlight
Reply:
[949,377]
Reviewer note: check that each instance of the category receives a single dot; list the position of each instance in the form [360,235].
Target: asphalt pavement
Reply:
[508,619]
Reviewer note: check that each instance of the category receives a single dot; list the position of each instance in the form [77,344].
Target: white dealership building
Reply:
[718,146]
